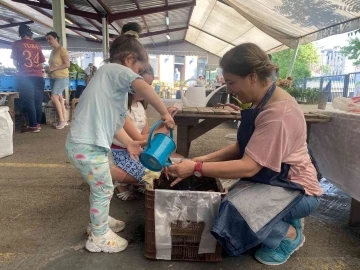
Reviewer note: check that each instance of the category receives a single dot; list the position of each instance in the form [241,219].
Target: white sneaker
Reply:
[114,224]
[61,125]
[110,242]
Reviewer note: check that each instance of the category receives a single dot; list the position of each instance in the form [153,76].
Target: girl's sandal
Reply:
[125,195]
[140,189]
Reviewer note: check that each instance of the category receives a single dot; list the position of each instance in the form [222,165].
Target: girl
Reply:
[127,170]
[58,68]
[96,120]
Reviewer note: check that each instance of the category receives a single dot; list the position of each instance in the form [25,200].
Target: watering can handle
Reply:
[153,129]
[189,80]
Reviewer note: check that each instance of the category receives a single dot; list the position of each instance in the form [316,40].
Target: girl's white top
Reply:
[102,106]
[138,116]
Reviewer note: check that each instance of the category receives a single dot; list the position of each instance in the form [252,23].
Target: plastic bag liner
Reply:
[185,206]
[6,132]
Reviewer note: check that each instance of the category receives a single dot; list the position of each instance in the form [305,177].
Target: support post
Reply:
[346,85]
[58,10]
[294,57]
[105,37]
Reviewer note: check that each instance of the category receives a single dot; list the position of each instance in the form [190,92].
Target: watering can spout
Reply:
[213,93]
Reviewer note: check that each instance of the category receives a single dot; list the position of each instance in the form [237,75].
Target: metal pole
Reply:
[104,38]
[58,12]
[294,57]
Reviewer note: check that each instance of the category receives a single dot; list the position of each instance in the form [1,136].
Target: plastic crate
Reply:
[72,84]
[185,241]
[47,84]
[73,75]
[81,82]
[81,76]
[7,83]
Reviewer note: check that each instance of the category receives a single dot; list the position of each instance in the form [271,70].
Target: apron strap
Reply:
[267,96]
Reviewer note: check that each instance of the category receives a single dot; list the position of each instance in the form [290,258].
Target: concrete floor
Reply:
[44,214]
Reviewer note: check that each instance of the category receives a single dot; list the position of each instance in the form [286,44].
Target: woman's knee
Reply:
[117,174]
[303,208]
[54,98]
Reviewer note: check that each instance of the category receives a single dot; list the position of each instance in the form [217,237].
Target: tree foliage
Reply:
[307,55]
[352,50]
[325,70]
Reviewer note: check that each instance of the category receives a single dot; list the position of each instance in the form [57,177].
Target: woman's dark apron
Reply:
[264,176]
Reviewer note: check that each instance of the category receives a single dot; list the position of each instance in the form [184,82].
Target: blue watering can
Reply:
[157,153]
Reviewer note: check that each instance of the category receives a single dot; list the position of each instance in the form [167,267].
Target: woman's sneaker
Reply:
[282,253]
[31,130]
[61,125]
[110,242]
[114,224]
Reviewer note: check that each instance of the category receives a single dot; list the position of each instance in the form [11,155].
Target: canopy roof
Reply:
[213,25]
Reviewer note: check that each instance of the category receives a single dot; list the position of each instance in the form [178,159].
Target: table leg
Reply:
[11,105]
[354,213]
[183,141]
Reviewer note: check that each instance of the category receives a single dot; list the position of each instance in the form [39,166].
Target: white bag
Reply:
[347,104]
[6,132]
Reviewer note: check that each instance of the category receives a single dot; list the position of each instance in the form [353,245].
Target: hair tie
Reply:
[132,33]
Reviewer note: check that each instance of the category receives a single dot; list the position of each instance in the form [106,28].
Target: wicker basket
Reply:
[185,241]
[52,117]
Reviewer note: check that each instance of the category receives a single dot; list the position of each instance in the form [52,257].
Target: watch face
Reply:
[197,174]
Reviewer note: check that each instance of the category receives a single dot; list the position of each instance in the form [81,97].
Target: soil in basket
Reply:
[192,183]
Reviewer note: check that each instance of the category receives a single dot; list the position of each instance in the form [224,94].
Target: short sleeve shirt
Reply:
[28,55]
[102,107]
[280,137]
[56,59]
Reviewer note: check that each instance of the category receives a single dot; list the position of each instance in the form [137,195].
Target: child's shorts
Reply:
[121,158]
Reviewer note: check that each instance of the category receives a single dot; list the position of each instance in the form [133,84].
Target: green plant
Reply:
[75,68]
[352,50]
[308,95]
[307,56]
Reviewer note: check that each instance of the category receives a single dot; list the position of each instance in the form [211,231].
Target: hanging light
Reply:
[68,21]
[167,36]
[90,35]
[167,20]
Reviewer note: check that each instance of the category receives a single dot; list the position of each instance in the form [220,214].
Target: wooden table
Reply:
[189,127]
[11,102]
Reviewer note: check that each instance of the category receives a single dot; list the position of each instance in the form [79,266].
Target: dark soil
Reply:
[192,183]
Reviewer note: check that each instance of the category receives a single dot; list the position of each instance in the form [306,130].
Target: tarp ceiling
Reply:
[272,24]
[213,25]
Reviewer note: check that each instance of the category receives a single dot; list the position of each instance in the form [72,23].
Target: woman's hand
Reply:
[181,170]
[168,121]
[135,149]
[47,69]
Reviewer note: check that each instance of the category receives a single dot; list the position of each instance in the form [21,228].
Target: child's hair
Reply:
[125,45]
[247,58]
[131,26]
[54,35]
[150,71]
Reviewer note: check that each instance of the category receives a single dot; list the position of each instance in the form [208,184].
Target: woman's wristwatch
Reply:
[197,170]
